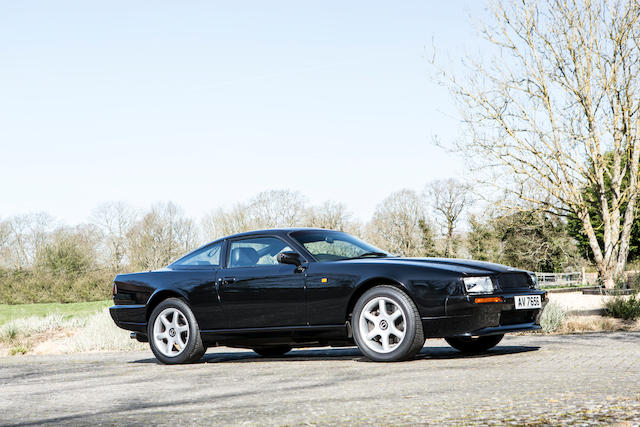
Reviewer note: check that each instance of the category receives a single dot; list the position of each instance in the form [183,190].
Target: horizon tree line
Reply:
[118,237]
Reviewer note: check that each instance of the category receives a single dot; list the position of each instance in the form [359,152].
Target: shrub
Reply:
[64,257]
[632,281]
[627,308]
[19,349]
[553,317]
[26,286]
[9,333]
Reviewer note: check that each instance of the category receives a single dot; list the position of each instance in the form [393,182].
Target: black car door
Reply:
[328,293]
[256,291]
[196,274]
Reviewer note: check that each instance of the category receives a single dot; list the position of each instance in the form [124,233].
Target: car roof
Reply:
[265,232]
[275,231]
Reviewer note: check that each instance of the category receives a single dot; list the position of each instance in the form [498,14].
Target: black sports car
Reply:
[273,290]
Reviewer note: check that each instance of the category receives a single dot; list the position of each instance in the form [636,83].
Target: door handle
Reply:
[227,280]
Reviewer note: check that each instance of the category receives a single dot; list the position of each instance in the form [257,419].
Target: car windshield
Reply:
[335,245]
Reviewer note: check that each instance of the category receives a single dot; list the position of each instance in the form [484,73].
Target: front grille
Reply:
[516,317]
[508,281]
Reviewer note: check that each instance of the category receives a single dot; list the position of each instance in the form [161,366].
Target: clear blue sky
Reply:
[208,103]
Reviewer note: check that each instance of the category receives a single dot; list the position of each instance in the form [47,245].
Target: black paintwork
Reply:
[285,303]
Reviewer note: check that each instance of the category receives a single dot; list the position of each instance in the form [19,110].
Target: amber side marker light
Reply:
[488,299]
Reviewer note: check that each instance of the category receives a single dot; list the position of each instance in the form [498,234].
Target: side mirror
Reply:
[289,258]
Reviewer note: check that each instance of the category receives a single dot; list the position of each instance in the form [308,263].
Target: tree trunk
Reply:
[448,249]
[607,276]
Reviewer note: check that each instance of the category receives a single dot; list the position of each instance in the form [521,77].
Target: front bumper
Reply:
[464,317]
[497,330]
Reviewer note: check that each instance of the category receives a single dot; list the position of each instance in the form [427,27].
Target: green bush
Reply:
[630,282]
[552,317]
[26,286]
[627,308]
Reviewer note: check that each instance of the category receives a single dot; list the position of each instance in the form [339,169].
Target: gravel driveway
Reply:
[583,379]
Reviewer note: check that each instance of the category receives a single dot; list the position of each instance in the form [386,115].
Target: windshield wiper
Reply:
[373,253]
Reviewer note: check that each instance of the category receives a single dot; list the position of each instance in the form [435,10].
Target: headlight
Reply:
[535,280]
[478,285]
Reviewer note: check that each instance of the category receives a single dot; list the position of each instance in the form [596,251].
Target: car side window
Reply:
[209,256]
[256,251]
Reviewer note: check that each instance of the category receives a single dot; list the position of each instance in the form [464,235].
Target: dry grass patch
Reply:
[19,336]
[54,334]
[101,334]
[579,324]
[556,317]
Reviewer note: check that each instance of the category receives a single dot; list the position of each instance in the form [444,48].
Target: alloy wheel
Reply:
[171,332]
[382,325]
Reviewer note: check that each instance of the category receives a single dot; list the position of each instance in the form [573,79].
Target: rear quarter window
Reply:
[207,257]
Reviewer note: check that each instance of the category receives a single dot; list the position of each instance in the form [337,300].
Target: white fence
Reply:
[576,278]
[561,279]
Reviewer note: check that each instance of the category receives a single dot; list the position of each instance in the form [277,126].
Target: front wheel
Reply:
[173,333]
[386,325]
[474,345]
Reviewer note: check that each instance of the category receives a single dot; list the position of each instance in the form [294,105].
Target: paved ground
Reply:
[536,379]
[577,303]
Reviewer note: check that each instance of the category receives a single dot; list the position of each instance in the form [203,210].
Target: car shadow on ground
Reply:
[450,353]
[351,353]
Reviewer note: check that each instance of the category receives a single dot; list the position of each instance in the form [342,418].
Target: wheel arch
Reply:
[161,295]
[371,283]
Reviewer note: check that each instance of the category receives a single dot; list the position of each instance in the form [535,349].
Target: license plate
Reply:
[524,302]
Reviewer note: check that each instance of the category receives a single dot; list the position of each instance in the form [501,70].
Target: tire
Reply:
[386,325]
[272,351]
[474,345]
[172,321]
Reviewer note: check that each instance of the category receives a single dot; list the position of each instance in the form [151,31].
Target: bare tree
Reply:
[26,235]
[448,198]
[220,222]
[400,225]
[330,215]
[560,94]
[160,236]
[277,208]
[115,220]
[268,209]
[5,236]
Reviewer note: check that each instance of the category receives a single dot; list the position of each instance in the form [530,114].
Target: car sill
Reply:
[273,329]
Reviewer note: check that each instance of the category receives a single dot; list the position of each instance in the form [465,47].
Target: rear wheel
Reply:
[474,344]
[386,325]
[272,350]
[173,333]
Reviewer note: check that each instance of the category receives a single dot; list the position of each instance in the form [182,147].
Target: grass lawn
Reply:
[9,311]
